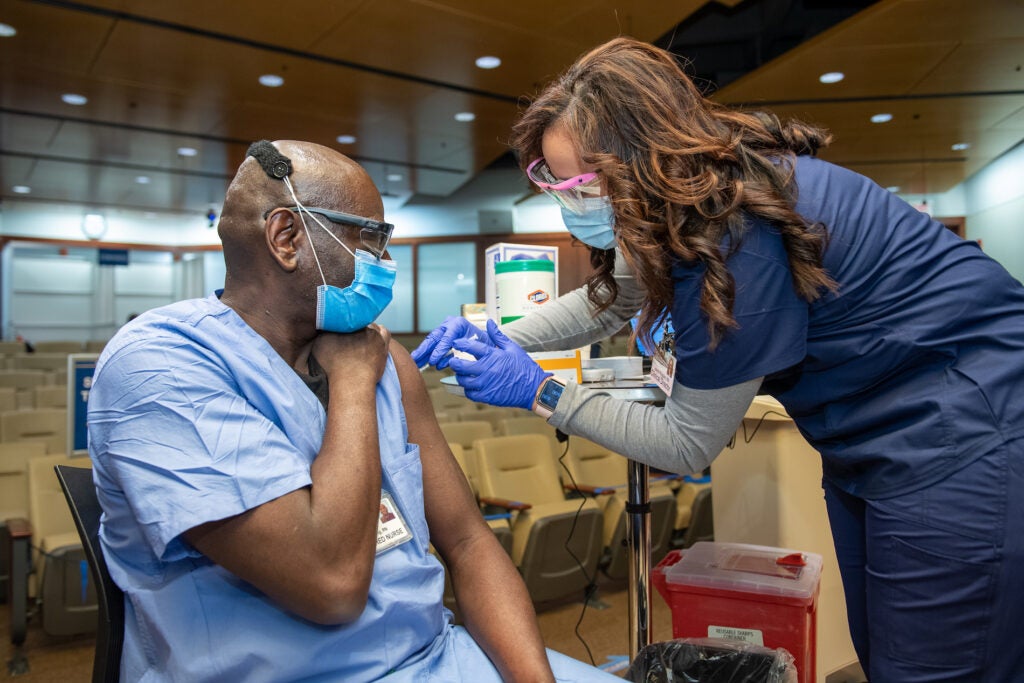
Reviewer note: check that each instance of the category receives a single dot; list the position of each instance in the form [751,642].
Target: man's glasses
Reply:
[374,235]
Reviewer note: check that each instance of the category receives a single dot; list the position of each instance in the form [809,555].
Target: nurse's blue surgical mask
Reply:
[351,308]
[594,225]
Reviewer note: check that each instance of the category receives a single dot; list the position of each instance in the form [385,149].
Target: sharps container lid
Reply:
[789,574]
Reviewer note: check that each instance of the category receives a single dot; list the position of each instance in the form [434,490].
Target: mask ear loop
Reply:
[302,210]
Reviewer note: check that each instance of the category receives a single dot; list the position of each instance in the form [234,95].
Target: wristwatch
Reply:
[547,396]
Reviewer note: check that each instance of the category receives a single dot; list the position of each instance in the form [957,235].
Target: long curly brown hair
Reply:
[682,172]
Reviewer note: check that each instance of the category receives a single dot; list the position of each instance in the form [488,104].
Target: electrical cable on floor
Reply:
[591,588]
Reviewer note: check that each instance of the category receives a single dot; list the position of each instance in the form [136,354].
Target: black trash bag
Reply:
[711,660]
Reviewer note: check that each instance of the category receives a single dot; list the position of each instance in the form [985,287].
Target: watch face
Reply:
[550,394]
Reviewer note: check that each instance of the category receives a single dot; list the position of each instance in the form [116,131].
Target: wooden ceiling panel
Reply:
[592,23]
[278,23]
[913,178]
[874,71]
[81,37]
[179,62]
[448,51]
[905,21]
[644,19]
[15,170]
[26,133]
[38,90]
[955,116]
[164,75]
[979,67]
[1014,121]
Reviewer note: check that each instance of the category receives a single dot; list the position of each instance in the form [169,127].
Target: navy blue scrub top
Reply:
[911,370]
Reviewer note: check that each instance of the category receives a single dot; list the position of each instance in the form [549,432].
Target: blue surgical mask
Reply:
[351,308]
[594,226]
[354,307]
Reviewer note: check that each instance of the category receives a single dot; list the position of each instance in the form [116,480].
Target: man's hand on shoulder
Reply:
[363,351]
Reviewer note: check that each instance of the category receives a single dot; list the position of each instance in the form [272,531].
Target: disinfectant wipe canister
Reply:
[522,286]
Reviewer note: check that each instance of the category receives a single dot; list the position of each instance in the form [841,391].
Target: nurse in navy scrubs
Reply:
[897,347]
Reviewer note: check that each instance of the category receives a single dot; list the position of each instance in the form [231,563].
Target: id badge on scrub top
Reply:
[391,528]
[663,365]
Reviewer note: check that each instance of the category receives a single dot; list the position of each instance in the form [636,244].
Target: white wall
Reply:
[992,201]
[54,293]
[25,218]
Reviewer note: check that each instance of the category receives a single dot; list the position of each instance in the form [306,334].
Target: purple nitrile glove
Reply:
[502,374]
[436,347]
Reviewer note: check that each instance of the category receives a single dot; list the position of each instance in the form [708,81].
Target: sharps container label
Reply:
[747,635]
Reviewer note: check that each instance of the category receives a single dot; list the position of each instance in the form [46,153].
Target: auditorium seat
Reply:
[43,424]
[604,474]
[58,347]
[516,473]
[465,433]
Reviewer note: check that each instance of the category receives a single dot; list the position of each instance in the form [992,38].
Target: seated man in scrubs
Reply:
[271,472]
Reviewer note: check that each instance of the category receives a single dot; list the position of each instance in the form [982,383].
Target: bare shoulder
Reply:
[408,373]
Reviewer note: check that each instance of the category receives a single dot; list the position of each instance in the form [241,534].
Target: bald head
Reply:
[321,177]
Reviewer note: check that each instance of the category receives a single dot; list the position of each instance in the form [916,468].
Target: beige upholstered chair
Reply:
[8,399]
[534,424]
[517,472]
[24,382]
[58,347]
[68,597]
[55,396]
[9,348]
[603,473]
[14,459]
[43,424]
[465,433]
[40,361]
[495,415]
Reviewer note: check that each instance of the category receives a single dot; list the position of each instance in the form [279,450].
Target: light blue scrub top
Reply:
[193,417]
[910,371]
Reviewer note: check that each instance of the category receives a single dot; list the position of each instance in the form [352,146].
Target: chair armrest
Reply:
[18,527]
[592,490]
[17,536]
[505,503]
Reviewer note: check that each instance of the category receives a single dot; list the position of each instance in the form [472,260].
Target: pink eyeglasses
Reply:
[568,193]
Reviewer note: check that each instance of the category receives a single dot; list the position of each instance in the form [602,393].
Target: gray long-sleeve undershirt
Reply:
[684,436]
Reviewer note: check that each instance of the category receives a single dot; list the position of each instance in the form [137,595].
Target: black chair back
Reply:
[702,519]
[85,508]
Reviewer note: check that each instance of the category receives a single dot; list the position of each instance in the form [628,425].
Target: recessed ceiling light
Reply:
[961,146]
[346,139]
[394,177]
[488,62]
[142,179]
[187,151]
[465,116]
[6,31]
[832,77]
[893,188]
[271,80]
[74,98]
[881,118]
[21,189]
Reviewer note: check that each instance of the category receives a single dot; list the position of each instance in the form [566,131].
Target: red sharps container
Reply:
[767,596]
